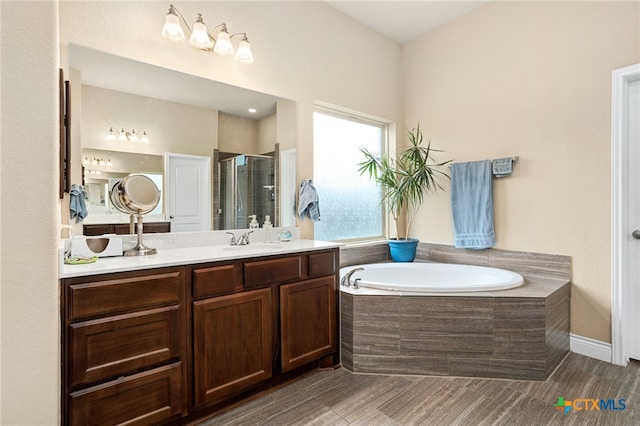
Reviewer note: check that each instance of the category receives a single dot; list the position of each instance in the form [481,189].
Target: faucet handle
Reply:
[244,238]
[232,242]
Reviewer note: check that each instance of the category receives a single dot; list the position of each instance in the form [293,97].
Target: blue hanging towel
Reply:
[502,166]
[308,201]
[472,205]
[77,205]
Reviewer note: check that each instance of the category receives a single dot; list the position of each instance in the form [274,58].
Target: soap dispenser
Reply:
[254,223]
[267,226]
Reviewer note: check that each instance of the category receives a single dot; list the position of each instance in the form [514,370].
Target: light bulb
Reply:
[244,53]
[172,29]
[199,37]
[123,135]
[223,43]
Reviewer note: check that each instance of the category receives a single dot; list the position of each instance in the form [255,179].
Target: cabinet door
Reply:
[307,321]
[232,344]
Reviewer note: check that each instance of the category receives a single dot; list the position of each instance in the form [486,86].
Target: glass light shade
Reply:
[134,136]
[172,29]
[223,44]
[199,37]
[144,138]
[123,135]
[111,135]
[244,53]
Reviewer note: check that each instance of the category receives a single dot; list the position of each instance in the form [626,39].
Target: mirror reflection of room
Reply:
[242,147]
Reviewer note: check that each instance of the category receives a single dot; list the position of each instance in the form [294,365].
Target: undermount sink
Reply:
[255,247]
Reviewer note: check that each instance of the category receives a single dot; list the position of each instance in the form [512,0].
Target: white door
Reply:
[188,192]
[632,117]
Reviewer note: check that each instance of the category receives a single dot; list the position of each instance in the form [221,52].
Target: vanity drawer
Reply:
[110,347]
[150,397]
[272,271]
[118,293]
[216,280]
[321,264]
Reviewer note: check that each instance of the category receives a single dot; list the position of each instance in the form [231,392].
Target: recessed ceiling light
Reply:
[252,110]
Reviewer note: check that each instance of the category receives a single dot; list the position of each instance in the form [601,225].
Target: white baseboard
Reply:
[590,347]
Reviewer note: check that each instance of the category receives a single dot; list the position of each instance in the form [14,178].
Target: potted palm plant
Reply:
[405,183]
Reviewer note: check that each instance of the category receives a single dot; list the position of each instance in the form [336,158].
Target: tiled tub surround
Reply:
[521,333]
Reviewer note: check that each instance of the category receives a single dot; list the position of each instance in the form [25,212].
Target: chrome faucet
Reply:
[244,238]
[346,280]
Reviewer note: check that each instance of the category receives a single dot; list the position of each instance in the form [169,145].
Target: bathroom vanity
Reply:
[173,337]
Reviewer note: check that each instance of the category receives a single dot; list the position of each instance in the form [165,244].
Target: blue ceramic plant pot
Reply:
[403,250]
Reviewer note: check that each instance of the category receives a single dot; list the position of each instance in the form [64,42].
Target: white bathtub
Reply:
[425,277]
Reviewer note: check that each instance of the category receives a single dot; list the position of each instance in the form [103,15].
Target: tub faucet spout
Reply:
[346,280]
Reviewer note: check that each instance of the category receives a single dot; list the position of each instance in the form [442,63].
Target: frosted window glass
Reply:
[349,203]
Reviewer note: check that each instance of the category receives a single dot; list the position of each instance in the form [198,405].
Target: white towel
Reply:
[308,201]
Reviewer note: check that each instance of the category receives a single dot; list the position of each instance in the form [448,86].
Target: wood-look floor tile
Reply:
[339,397]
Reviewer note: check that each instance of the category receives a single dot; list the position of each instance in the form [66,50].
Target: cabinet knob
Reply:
[171,217]
[636,234]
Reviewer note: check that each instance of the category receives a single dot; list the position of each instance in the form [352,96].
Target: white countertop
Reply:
[191,255]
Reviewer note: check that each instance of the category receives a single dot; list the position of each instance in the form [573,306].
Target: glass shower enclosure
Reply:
[247,187]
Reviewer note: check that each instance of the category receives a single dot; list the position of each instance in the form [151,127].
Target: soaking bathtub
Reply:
[442,319]
[424,277]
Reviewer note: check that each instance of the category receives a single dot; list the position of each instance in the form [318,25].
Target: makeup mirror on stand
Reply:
[136,194]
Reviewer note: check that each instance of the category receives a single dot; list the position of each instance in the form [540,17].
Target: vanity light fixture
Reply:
[130,136]
[97,162]
[217,41]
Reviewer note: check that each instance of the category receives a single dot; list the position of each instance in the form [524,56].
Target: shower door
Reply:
[247,188]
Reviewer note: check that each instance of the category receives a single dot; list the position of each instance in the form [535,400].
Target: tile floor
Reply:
[341,398]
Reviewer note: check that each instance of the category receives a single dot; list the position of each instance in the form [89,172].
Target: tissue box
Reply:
[101,247]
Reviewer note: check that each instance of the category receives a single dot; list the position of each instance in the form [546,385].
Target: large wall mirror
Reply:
[179,130]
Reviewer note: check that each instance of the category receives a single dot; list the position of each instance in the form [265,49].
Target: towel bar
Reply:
[515,160]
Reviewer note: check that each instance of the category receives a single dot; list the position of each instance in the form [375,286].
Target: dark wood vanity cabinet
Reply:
[175,344]
[123,347]
[124,228]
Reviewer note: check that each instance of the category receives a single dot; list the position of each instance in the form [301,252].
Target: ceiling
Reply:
[403,21]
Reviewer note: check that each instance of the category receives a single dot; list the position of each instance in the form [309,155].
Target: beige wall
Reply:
[29,198]
[171,126]
[531,79]
[238,134]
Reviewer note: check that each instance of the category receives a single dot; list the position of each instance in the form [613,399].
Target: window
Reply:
[349,203]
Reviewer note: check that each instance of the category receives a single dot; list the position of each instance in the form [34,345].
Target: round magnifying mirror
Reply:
[136,195]
[140,193]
